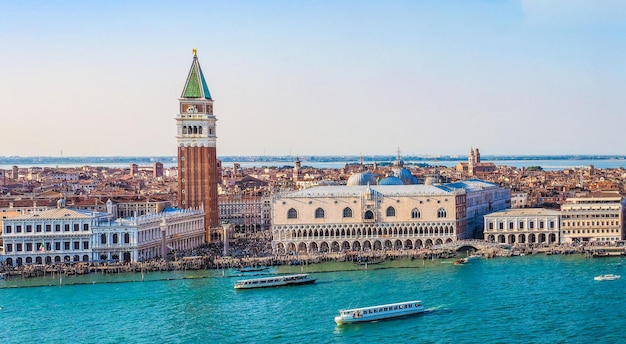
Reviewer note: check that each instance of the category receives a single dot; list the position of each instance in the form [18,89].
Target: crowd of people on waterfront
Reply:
[256,249]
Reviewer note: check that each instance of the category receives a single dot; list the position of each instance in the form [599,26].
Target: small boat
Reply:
[368,261]
[278,281]
[473,257]
[607,277]
[461,261]
[249,268]
[392,310]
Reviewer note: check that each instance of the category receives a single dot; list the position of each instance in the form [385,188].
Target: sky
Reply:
[323,77]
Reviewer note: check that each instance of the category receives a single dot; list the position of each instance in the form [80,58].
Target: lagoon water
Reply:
[528,299]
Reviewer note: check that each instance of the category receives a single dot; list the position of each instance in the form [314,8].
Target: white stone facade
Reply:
[523,226]
[366,218]
[52,236]
[66,235]
[149,236]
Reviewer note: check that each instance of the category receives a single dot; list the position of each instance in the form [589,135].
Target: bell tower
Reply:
[197,158]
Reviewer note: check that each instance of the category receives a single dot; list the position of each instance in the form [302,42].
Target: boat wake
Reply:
[435,309]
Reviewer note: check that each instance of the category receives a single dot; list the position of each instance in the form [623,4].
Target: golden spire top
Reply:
[195,52]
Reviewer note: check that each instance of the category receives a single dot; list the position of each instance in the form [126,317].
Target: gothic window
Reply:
[184,130]
[292,214]
[103,239]
[369,215]
[319,213]
[195,130]
[441,213]
[347,212]
[391,211]
[199,130]
[415,213]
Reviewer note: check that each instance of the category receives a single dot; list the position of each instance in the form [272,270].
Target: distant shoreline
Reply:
[16,160]
[547,163]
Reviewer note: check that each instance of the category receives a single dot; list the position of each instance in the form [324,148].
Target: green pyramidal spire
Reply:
[196,86]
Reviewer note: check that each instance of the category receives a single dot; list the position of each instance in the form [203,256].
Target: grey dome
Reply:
[391,180]
[404,175]
[362,178]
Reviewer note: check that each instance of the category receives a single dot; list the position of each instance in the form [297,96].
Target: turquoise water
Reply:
[529,299]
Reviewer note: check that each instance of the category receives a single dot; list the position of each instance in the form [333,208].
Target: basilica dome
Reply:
[391,180]
[405,175]
[362,178]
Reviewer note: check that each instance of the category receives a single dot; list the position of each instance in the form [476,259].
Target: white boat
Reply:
[607,277]
[473,257]
[372,313]
[277,281]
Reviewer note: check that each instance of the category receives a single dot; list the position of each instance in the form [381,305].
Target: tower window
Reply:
[391,211]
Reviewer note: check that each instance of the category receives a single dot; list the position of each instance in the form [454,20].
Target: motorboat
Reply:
[372,313]
[461,261]
[249,268]
[277,281]
[607,277]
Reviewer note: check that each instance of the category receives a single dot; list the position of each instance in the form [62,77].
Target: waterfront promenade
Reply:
[241,248]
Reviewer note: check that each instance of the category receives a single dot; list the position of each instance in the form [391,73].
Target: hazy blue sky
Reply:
[316,77]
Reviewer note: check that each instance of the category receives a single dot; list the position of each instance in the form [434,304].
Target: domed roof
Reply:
[391,180]
[404,175]
[362,178]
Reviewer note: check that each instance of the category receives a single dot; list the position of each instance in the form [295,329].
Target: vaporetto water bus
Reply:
[372,313]
[278,281]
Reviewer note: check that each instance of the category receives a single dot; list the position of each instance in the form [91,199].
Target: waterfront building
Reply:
[197,161]
[64,235]
[523,226]
[148,236]
[59,235]
[366,218]
[598,216]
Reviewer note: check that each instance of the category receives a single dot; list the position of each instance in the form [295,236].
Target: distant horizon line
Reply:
[325,156]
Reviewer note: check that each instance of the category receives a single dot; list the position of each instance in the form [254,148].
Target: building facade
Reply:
[57,235]
[596,217]
[366,218]
[148,236]
[64,235]
[197,160]
[482,198]
[245,213]
[523,226]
